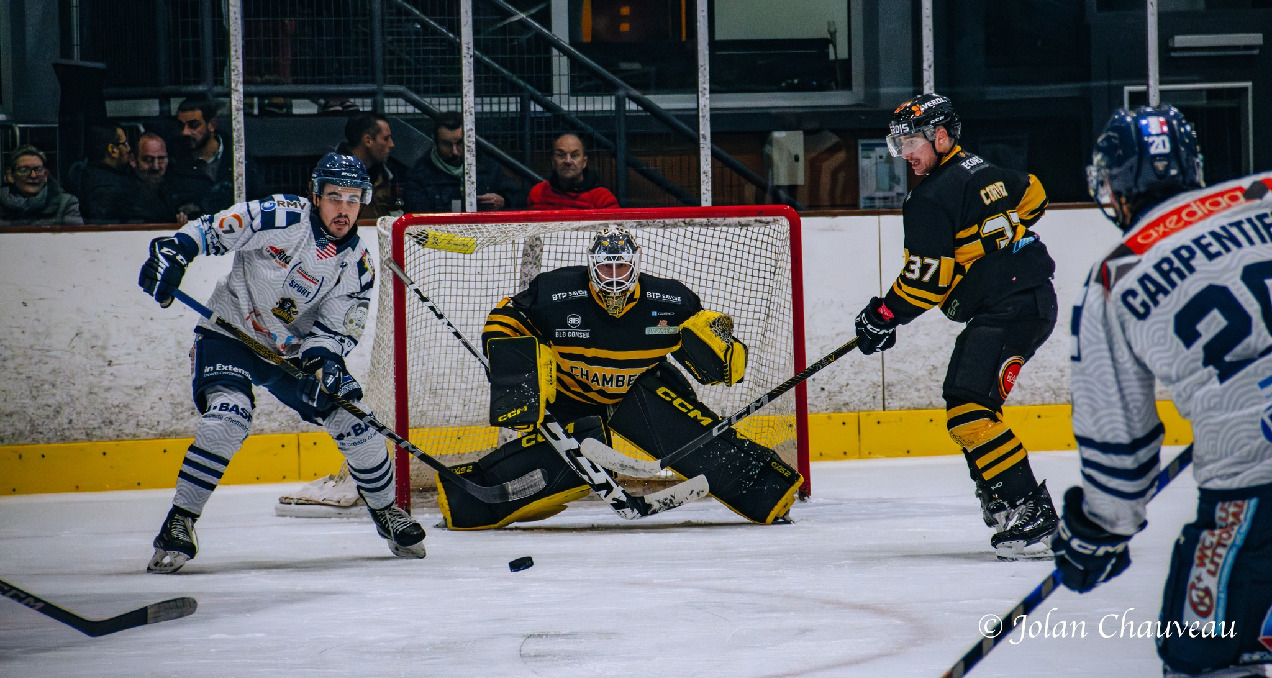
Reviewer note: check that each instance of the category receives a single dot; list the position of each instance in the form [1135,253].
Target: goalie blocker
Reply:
[659,414]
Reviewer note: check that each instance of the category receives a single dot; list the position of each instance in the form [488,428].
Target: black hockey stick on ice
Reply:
[517,488]
[598,479]
[724,424]
[1003,627]
[153,613]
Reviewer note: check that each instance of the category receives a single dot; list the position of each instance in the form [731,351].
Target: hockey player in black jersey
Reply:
[969,251]
[590,345]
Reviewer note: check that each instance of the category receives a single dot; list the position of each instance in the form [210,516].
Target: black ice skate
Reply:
[1028,528]
[405,536]
[175,544]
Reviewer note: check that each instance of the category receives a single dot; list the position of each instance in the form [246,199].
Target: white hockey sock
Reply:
[221,433]
[369,462]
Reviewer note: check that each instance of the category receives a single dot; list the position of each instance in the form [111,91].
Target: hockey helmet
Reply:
[1144,157]
[921,116]
[342,170]
[613,264]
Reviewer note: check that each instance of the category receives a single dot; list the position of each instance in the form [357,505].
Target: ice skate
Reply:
[1026,533]
[405,536]
[993,509]
[175,544]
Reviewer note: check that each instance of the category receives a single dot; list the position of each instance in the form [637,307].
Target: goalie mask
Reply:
[613,264]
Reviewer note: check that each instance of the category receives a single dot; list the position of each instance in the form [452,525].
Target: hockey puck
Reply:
[522,563]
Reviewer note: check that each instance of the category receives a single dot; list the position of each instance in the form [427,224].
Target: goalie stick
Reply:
[602,453]
[153,613]
[598,479]
[517,488]
[1000,630]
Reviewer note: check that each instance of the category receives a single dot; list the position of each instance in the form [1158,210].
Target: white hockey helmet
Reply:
[613,265]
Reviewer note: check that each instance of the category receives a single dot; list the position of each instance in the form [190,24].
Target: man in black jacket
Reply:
[202,164]
[107,188]
[969,250]
[436,182]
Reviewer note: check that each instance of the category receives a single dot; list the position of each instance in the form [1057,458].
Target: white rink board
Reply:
[86,356]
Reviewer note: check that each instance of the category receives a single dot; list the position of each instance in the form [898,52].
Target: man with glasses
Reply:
[30,196]
[107,187]
[969,250]
[301,283]
[155,202]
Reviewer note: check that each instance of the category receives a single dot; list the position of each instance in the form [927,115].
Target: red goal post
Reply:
[741,260]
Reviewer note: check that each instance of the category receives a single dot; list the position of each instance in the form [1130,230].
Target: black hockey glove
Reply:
[876,328]
[162,272]
[1087,555]
[326,376]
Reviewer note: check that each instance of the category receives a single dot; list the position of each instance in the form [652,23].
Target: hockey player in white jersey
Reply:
[1186,298]
[300,282]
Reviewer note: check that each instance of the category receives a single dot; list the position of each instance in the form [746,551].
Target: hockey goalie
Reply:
[590,345]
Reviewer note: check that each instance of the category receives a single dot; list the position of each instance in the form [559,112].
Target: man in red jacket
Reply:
[572,185]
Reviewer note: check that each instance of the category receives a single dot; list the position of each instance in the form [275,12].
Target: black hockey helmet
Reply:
[613,281]
[1144,157]
[922,115]
[342,170]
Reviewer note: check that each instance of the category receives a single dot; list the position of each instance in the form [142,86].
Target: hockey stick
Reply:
[724,424]
[174,608]
[598,479]
[517,488]
[1003,627]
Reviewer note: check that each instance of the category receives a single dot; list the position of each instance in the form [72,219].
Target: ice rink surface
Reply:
[886,571]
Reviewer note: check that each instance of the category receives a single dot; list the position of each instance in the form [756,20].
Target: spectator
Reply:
[155,201]
[202,167]
[107,188]
[572,185]
[31,197]
[436,182]
[369,139]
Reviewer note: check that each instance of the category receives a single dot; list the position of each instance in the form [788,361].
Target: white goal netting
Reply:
[738,260]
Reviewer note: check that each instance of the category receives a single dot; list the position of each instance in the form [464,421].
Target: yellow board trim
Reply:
[301,457]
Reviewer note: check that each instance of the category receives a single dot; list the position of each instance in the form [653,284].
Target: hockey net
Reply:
[743,261]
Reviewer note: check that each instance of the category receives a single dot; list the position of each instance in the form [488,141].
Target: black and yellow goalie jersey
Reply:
[598,356]
[969,214]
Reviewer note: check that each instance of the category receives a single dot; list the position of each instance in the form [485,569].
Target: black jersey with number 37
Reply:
[598,355]
[966,209]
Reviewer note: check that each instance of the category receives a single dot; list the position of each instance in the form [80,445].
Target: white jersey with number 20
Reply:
[1186,298]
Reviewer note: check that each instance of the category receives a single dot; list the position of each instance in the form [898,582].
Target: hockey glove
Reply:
[876,327]
[162,272]
[326,376]
[1087,555]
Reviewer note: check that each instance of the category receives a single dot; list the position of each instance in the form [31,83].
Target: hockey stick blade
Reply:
[680,493]
[996,633]
[447,242]
[517,488]
[592,473]
[611,458]
[154,613]
[723,425]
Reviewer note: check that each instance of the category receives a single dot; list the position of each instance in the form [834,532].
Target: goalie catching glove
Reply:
[709,350]
[522,381]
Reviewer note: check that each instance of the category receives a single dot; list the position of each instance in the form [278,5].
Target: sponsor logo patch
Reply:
[355,319]
[574,321]
[285,310]
[1211,561]
[666,298]
[1007,375]
[572,294]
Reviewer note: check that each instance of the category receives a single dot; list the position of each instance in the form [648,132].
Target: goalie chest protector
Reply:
[598,355]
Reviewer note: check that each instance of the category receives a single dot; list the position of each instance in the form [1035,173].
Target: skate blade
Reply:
[1013,551]
[416,551]
[166,562]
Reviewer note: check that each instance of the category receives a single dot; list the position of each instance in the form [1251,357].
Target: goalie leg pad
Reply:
[522,381]
[660,413]
[512,460]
